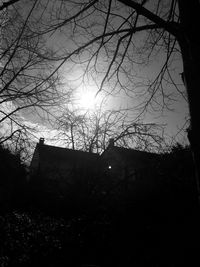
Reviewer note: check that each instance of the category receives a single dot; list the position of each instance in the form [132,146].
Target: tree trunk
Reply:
[190,48]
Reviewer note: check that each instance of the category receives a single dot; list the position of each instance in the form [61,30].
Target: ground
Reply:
[37,239]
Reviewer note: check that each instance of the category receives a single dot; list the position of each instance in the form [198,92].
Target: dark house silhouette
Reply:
[130,170]
[55,161]
[55,172]
[58,174]
[117,170]
[121,162]
[127,163]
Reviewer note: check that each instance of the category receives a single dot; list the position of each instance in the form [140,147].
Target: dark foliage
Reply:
[12,181]
[33,239]
[156,224]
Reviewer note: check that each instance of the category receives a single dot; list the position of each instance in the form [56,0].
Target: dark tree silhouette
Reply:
[180,22]
[12,181]
[92,131]
[26,83]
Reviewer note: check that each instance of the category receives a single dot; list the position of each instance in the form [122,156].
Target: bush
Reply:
[25,236]
[12,181]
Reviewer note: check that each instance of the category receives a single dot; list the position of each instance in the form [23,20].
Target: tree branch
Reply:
[7,4]
[151,16]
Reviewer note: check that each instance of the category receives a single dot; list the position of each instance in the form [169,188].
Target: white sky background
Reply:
[174,118]
[86,99]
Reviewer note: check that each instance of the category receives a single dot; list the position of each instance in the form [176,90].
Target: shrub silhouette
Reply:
[12,180]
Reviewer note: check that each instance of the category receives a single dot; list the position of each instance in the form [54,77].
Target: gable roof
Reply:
[129,156]
[46,157]
[60,153]
[129,152]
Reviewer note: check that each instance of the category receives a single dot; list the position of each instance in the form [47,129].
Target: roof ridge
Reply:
[135,150]
[66,149]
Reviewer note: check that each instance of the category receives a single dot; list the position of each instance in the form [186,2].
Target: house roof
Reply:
[60,153]
[130,154]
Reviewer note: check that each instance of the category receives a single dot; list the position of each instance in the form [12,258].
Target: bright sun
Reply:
[87,100]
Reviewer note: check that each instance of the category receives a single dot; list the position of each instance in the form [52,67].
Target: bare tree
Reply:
[69,125]
[92,131]
[28,82]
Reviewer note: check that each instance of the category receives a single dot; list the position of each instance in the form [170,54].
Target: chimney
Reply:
[41,142]
[111,142]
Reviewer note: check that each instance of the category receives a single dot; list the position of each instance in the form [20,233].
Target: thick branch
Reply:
[7,4]
[151,16]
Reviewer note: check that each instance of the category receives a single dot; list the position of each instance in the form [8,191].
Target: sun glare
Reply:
[87,100]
